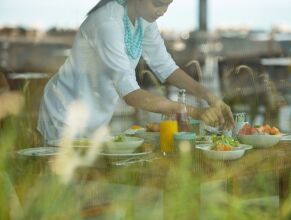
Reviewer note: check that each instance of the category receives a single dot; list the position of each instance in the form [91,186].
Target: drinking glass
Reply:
[168,127]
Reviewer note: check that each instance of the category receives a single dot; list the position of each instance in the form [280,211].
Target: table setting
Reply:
[134,157]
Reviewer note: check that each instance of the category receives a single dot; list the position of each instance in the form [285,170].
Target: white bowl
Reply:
[126,146]
[78,142]
[260,140]
[234,154]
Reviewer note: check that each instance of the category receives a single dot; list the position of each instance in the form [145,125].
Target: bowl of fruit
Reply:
[263,136]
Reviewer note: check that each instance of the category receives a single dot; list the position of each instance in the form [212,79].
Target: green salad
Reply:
[119,138]
[222,139]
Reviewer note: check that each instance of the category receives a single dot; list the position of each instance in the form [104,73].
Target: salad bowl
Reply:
[235,153]
[118,144]
[223,148]
[123,144]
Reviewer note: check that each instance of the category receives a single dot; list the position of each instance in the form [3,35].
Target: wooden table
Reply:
[179,178]
[173,175]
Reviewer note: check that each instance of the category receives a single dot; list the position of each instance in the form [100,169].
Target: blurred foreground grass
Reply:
[32,190]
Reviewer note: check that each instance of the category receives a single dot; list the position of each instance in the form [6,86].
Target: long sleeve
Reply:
[108,41]
[156,54]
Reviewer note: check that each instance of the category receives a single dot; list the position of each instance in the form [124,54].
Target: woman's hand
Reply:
[211,116]
[218,115]
[224,114]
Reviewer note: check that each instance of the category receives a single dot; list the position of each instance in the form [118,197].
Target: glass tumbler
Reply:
[168,127]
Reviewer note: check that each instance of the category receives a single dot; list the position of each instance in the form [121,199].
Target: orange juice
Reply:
[167,130]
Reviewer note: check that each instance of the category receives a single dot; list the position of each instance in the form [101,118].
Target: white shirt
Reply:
[98,71]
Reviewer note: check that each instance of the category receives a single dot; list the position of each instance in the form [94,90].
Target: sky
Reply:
[182,15]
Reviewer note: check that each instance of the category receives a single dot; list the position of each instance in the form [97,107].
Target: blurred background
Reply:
[241,50]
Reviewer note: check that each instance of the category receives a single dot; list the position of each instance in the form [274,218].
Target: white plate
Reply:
[77,142]
[124,154]
[127,146]
[134,131]
[39,151]
[286,138]
[234,154]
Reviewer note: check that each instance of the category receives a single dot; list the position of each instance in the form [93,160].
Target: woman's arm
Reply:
[147,101]
[182,80]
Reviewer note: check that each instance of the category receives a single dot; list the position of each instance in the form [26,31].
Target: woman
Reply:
[101,68]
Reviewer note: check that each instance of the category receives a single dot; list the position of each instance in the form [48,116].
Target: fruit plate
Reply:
[260,140]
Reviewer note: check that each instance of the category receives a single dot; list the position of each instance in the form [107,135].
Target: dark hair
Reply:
[99,5]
